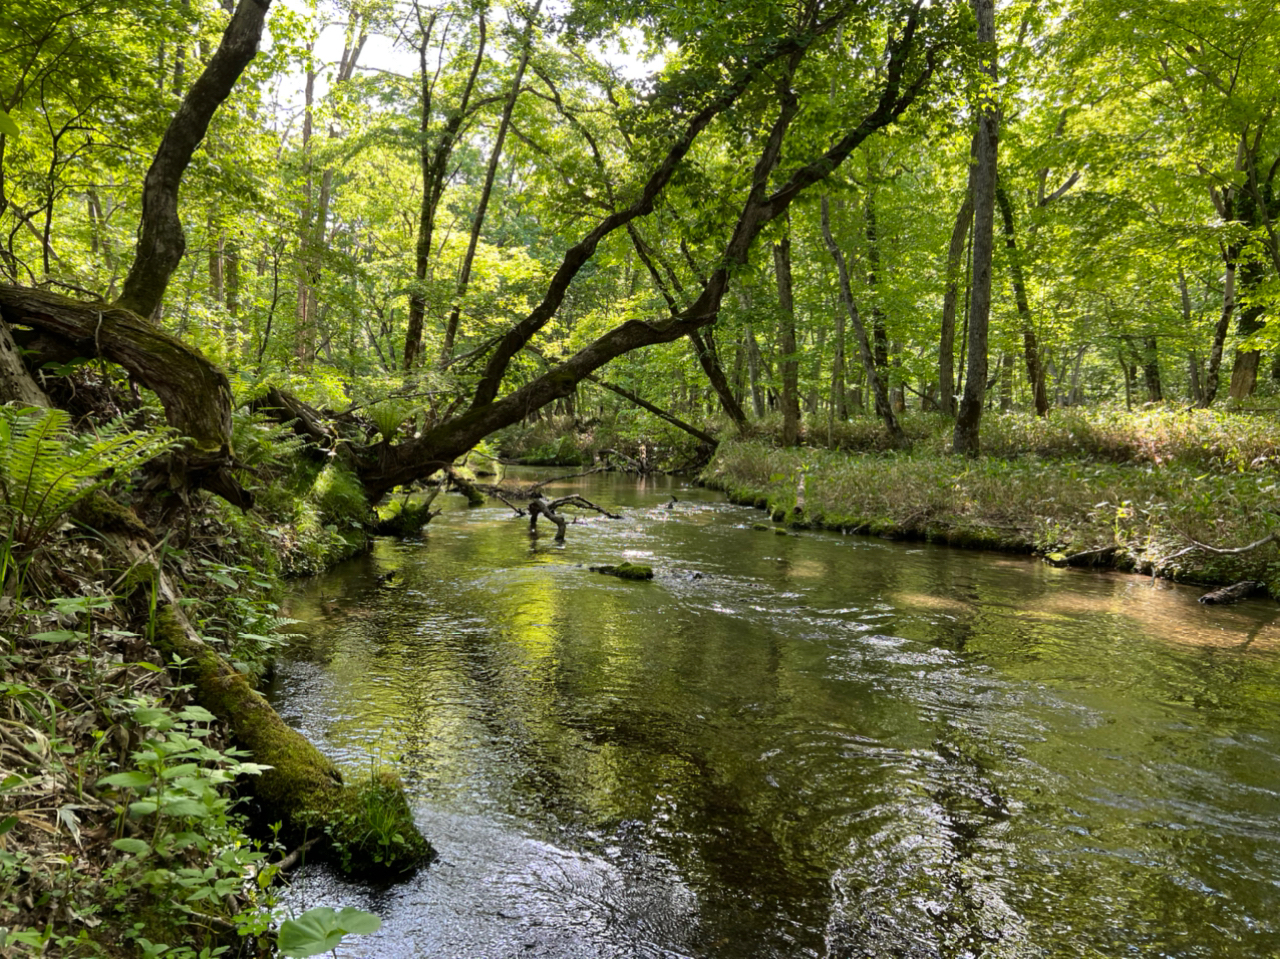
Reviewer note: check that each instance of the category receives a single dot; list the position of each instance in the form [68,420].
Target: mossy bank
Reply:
[1166,519]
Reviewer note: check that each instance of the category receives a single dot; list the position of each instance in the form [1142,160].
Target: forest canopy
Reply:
[458,213]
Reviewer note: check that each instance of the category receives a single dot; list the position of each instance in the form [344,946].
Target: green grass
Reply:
[1152,484]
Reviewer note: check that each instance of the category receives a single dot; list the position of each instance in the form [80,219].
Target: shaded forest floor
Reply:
[1179,494]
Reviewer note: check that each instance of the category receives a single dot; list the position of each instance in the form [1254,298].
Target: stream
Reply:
[791,746]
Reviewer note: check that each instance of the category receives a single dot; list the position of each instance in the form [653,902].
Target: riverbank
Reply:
[1166,493]
[129,645]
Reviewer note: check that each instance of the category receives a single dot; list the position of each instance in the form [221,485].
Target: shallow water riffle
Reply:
[799,745]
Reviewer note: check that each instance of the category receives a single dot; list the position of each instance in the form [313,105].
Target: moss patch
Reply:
[625,571]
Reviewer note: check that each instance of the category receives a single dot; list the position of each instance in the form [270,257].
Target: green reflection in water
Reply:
[824,745]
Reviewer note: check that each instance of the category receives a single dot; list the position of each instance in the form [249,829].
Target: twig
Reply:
[493,491]
[1196,544]
[556,479]
[576,500]
[291,860]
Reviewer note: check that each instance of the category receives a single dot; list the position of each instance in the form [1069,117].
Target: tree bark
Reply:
[161,241]
[884,409]
[709,360]
[1151,369]
[1031,349]
[491,171]
[433,159]
[656,411]
[196,394]
[755,364]
[16,384]
[946,340]
[966,439]
[787,343]
[1210,392]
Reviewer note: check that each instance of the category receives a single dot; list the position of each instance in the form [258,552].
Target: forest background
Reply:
[816,226]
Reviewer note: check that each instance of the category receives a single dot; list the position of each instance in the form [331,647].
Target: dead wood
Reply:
[1233,593]
[194,391]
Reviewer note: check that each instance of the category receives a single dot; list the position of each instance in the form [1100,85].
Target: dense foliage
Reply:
[393,187]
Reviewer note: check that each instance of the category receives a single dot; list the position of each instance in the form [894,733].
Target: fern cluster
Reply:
[46,468]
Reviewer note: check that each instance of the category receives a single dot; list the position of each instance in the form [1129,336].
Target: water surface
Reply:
[790,746]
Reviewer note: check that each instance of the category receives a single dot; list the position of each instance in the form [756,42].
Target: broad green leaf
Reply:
[136,779]
[135,846]
[322,929]
[7,126]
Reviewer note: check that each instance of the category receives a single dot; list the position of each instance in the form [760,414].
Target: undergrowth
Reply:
[1168,490]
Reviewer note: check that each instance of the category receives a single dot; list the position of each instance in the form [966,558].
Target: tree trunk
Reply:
[754,370]
[433,160]
[300,788]
[704,348]
[1195,367]
[196,394]
[161,241]
[946,340]
[16,384]
[657,411]
[1151,369]
[966,440]
[464,276]
[787,344]
[1031,350]
[878,331]
[884,409]
[1220,334]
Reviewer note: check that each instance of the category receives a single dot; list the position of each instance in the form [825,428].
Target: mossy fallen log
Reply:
[367,826]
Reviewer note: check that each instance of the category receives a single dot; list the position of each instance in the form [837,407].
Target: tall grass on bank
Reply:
[1152,487]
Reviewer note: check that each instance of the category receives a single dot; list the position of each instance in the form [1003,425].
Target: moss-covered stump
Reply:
[405,521]
[369,826]
[625,571]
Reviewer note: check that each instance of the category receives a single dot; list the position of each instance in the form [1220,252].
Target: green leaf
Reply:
[322,929]
[135,846]
[58,636]
[153,717]
[144,807]
[7,823]
[197,714]
[7,126]
[137,779]
[189,808]
[357,922]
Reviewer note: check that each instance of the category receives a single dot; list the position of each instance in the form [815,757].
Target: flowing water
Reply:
[803,745]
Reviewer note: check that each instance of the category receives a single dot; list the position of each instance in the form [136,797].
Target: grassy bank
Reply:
[1142,490]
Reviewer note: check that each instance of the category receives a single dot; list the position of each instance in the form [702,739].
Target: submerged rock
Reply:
[625,571]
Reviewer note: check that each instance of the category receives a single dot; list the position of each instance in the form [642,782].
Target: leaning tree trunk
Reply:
[161,241]
[195,393]
[16,384]
[884,409]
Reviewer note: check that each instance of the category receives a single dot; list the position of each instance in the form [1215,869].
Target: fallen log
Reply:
[194,391]
[368,823]
[1233,593]
[1087,557]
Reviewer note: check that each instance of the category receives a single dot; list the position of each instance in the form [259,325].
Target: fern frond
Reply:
[46,468]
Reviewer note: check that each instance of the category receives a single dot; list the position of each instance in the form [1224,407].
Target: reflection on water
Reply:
[819,746]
